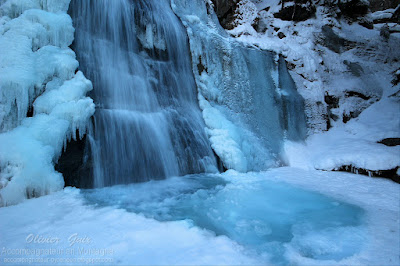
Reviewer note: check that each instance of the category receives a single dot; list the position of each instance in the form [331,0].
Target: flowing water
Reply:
[147,124]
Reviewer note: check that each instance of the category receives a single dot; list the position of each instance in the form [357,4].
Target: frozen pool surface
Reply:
[270,219]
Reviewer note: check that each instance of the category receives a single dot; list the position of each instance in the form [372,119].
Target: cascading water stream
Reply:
[147,124]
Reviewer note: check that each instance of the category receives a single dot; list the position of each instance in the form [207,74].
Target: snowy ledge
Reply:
[354,144]
[37,79]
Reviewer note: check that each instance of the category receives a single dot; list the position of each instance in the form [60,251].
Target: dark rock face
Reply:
[225,10]
[377,5]
[396,15]
[334,42]
[334,101]
[300,10]
[353,8]
[331,101]
[76,165]
[390,142]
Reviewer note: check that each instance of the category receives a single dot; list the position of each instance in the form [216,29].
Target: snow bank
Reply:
[37,71]
[354,143]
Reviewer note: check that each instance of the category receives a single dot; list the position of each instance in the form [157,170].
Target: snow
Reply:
[364,232]
[130,238]
[37,71]
[383,14]
[313,217]
[354,143]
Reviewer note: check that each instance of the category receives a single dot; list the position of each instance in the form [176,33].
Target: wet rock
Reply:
[390,174]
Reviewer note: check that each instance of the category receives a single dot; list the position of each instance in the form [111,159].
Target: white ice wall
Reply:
[37,70]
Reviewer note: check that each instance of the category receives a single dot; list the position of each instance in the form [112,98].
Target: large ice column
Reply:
[148,124]
[249,101]
[37,79]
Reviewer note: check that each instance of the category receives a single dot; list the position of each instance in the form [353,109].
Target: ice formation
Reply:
[249,101]
[42,99]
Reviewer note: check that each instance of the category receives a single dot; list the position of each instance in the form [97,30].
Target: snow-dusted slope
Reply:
[37,79]
[345,72]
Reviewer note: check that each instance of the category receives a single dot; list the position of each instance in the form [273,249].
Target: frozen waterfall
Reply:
[146,75]
[249,100]
[148,124]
